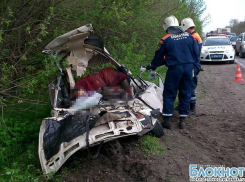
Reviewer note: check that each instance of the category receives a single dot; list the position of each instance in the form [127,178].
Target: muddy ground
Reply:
[216,135]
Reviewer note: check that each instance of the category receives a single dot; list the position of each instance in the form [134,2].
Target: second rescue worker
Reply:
[181,52]
[188,25]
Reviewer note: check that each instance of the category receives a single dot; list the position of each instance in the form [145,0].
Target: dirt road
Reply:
[216,135]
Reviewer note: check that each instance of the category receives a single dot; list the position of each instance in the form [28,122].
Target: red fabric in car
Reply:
[106,77]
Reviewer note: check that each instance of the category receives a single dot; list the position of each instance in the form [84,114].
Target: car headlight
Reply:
[229,50]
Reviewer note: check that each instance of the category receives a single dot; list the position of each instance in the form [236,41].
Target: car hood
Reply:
[79,53]
[217,48]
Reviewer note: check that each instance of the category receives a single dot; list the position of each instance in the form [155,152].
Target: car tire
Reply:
[157,131]
[241,55]
[232,62]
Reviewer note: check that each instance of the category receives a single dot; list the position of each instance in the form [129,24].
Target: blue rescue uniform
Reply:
[196,36]
[179,52]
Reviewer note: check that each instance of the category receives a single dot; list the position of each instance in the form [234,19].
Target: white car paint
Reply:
[217,53]
[147,97]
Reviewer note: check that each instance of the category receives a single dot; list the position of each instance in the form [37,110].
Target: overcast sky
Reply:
[222,11]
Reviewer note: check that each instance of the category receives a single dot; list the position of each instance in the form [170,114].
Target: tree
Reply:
[237,26]
[234,22]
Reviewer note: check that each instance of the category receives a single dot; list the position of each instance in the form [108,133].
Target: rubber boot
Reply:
[182,123]
[192,109]
[167,122]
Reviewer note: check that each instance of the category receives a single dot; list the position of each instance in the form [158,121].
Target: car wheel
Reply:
[157,131]
[241,55]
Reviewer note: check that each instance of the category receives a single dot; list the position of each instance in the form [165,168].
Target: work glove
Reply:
[152,74]
[66,113]
[142,69]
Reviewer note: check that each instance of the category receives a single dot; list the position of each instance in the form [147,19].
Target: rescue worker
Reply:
[180,52]
[188,25]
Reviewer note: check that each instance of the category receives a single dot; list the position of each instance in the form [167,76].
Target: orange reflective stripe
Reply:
[197,37]
[166,36]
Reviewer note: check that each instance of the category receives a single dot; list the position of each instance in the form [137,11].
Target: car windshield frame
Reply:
[215,42]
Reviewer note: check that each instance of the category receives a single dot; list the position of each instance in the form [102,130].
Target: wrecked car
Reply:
[102,116]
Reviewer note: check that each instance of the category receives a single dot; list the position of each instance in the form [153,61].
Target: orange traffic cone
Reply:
[238,74]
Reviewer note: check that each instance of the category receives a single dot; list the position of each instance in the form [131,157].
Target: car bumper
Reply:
[220,57]
[105,133]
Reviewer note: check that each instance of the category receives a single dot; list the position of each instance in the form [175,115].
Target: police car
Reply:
[217,49]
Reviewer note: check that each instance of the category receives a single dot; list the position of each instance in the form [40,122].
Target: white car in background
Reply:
[217,49]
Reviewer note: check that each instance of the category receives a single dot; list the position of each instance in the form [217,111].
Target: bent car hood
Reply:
[71,45]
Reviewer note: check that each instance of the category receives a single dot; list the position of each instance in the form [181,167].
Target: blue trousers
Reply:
[193,88]
[178,77]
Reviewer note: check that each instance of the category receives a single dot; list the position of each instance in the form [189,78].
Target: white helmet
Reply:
[187,23]
[170,21]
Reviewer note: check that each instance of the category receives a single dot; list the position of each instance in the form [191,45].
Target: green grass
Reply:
[19,142]
[19,159]
[150,145]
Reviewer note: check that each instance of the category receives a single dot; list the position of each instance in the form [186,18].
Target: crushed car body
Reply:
[125,106]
